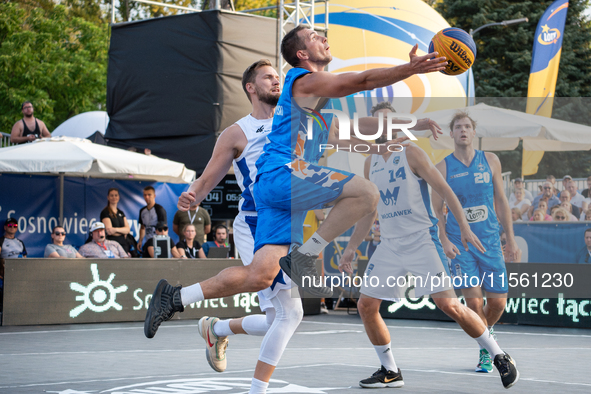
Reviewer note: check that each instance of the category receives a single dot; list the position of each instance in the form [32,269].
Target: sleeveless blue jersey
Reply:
[473,185]
[288,139]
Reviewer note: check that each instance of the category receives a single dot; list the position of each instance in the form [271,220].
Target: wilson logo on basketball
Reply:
[462,54]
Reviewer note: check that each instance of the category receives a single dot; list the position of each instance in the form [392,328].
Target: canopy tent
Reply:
[501,129]
[83,125]
[66,156]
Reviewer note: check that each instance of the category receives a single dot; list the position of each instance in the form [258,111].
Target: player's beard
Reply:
[29,116]
[267,98]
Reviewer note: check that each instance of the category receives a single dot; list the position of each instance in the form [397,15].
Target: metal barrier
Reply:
[6,140]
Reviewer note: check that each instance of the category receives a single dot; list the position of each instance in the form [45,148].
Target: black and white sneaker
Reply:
[507,369]
[299,266]
[165,302]
[383,378]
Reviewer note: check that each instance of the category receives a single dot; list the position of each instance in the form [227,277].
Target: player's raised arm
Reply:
[422,166]
[226,149]
[324,84]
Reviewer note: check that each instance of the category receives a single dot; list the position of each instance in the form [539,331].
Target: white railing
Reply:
[6,140]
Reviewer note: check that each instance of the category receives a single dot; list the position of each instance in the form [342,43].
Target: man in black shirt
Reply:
[151,214]
[28,128]
[161,229]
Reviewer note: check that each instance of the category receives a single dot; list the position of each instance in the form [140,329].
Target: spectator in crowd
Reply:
[10,246]
[565,197]
[220,239]
[149,216]
[516,214]
[116,225]
[29,128]
[543,206]
[568,207]
[518,254]
[585,193]
[57,249]
[576,198]
[198,217]
[538,216]
[584,255]
[565,180]
[552,180]
[586,215]
[100,247]
[189,247]
[546,192]
[521,202]
[161,229]
[560,215]
[519,185]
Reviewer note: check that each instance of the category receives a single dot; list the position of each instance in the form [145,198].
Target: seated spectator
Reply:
[576,198]
[189,247]
[10,246]
[543,206]
[521,203]
[586,215]
[516,214]
[585,193]
[584,255]
[565,180]
[538,216]
[546,193]
[560,215]
[565,197]
[116,225]
[220,239]
[552,180]
[161,229]
[519,185]
[569,207]
[100,247]
[196,216]
[57,249]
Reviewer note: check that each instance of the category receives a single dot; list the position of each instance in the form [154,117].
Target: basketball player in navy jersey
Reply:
[475,177]
[409,243]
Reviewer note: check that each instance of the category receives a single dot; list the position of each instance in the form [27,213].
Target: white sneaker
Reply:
[215,347]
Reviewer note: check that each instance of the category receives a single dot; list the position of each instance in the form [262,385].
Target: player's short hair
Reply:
[149,188]
[382,105]
[461,115]
[291,44]
[250,74]
[25,103]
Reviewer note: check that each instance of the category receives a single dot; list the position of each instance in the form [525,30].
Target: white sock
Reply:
[191,294]
[313,246]
[256,325]
[222,328]
[386,357]
[489,328]
[258,387]
[487,342]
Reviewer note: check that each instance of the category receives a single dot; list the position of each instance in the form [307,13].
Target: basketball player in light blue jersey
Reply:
[409,243]
[239,145]
[475,177]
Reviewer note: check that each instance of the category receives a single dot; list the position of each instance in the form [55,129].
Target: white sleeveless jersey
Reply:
[256,132]
[404,206]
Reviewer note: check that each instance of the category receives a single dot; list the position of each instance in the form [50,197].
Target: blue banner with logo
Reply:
[34,201]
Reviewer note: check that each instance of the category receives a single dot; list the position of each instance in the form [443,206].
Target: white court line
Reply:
[429,371]
[322,349]
[303,321]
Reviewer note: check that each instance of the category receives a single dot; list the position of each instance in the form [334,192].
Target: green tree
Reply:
[56,60]
[504,58]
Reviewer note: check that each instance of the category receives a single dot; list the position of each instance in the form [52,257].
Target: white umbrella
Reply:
[83,125]
[66,156]
[501,129]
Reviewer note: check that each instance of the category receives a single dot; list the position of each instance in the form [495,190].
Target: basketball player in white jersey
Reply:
[409,243]
[241,145]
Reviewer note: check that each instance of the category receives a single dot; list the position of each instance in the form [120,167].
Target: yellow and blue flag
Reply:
[544,71]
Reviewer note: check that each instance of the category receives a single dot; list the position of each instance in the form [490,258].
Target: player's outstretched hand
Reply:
[185,201]
[346,260]
[450,249]
[428,124]
[469,236]
[427,63]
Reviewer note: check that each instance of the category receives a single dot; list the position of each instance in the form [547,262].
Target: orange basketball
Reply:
[457,46]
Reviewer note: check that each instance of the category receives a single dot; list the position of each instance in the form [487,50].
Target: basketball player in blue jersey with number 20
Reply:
[475,178]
